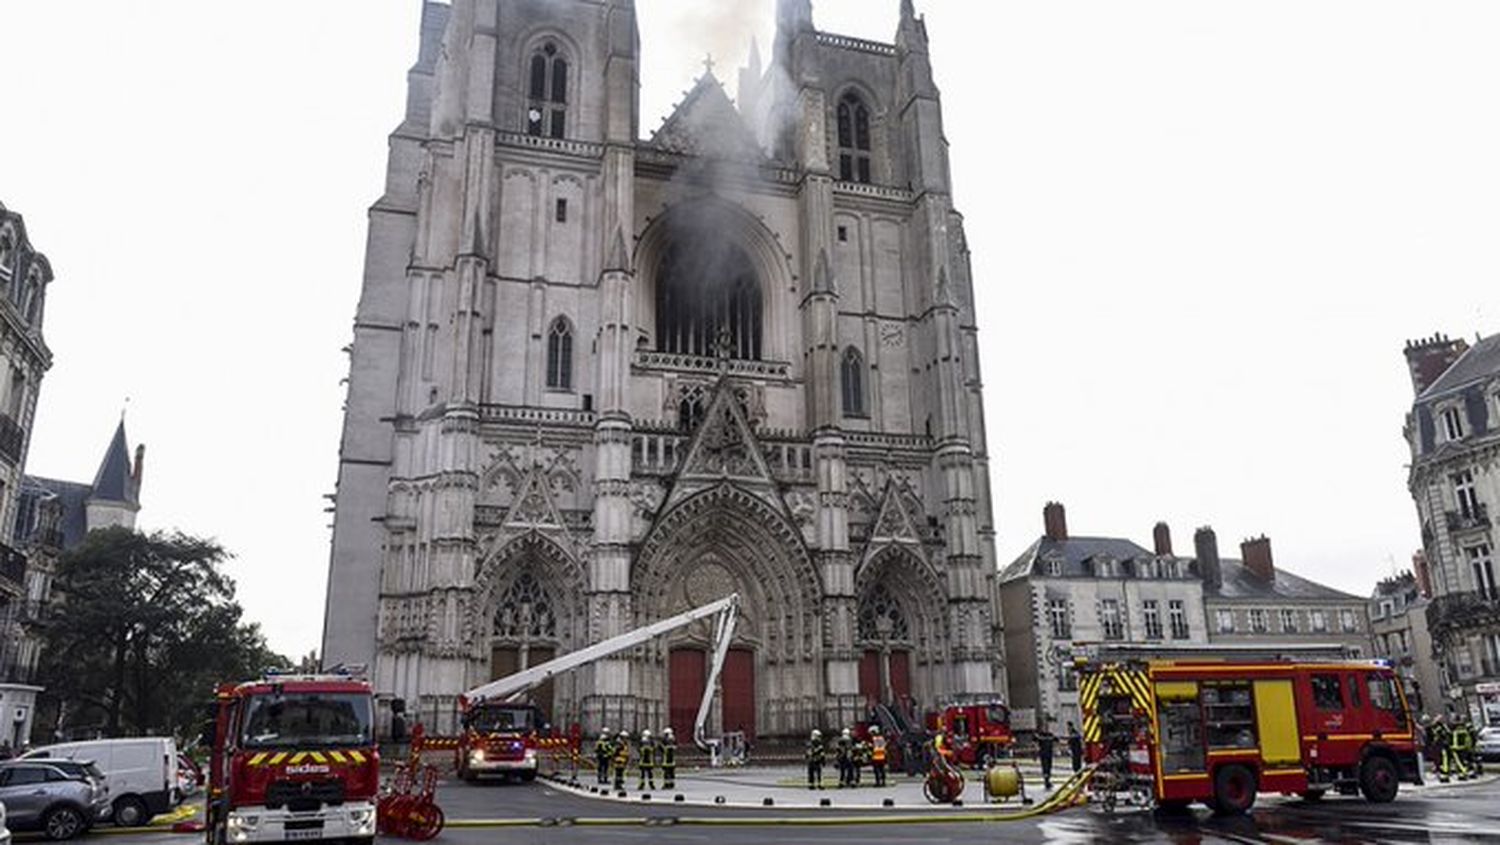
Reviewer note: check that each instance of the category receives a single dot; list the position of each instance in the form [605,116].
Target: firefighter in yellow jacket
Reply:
[668,759]
[622,758]
[646,757]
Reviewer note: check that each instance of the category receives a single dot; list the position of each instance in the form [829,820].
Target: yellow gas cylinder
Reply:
[1002,781]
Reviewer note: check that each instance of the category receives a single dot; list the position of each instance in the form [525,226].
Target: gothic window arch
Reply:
[525,611]
[560,355]
[708,301]
[547,91]
[881,617]
[854,139]
[852,379]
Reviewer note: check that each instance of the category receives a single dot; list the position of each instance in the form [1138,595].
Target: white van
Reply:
[141,773]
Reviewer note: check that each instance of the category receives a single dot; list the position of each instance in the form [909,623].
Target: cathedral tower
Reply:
[597,380]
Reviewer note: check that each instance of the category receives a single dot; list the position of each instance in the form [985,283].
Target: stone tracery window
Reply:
[525,610]
[708,300]
[881,616]
[547,92]
[854,139]
[560,355]
[7,251]
[852,373]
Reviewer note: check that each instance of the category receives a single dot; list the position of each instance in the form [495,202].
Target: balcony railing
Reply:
[1477,517]
[12,438]
[12,568]
[1463,610]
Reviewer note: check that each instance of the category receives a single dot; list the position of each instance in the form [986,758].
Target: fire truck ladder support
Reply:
[724,612]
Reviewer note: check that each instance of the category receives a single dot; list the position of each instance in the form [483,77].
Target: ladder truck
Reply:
[502,736]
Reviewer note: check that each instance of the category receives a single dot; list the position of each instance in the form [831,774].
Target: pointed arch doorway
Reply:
[735,706]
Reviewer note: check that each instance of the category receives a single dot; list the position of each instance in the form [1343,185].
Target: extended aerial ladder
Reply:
[722,612]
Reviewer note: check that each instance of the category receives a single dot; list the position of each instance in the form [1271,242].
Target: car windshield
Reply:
[1490,733]
[501,719]
[307,719]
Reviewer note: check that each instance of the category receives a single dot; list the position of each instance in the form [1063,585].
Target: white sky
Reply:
[1201,230]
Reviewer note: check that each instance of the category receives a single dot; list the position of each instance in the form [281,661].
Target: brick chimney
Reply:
[1162,535]
[1422,573]
[1206,544]
[1055,521]
[1430,357]
[1257,558]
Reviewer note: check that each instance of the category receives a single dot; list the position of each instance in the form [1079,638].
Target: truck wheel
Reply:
[528,777]
[1234,790]
[1378,780]
[1313,795]
[130,811]
[62,823]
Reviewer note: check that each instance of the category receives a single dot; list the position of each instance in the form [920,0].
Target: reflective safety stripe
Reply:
[277,758]
[337,757]
[255,761]
[357,756]
[318,757]
[298,757]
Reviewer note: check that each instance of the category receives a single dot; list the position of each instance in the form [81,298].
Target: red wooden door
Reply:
[687,670]
[739,692]
[869,677]
[901,675]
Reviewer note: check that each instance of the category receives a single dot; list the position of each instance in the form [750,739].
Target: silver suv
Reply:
[40,796]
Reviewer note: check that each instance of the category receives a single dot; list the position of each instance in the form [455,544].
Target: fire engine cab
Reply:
[499,738]
[977,732]
[1172,731]
[294,757]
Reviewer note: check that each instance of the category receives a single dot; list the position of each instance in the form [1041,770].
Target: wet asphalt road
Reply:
[1457,814]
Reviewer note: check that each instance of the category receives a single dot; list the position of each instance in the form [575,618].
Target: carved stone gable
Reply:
[533,506]
[725,448]
[894,524]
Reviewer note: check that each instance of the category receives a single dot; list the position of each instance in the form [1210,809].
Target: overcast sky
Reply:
[1201,230]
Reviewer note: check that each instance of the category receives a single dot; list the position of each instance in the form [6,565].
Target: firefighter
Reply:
[668,759]
[815,753]
[861,759]
[843,754]
[621,748]
[646,757]
[603,752]
[1046,741]
[1442,740]
[1075,747]
[877,755]
[1461,740]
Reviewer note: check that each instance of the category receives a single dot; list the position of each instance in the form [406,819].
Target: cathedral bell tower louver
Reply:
[598,379]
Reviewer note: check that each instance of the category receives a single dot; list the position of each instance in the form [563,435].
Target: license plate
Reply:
[311,833]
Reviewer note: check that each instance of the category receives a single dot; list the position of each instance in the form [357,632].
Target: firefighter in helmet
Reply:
[877,755]
[668,759]
[814,755]
[646,758]
[843,750]
[1462,741]
[621,748]
[603,752]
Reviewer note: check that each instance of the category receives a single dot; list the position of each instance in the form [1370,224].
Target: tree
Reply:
[145,625]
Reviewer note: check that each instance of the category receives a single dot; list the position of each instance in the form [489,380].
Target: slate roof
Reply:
[113,482]
[1241,583]
[1076,552]
[74,500]
[707,123]
[1481,361]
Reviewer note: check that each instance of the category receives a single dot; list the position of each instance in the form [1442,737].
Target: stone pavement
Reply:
[786,786]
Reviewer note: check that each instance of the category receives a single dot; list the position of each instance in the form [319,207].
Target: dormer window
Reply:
[854,139]
[1453,423]
[7,251]
[547,93]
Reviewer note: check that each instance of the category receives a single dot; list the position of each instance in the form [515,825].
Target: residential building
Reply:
[1066,591]
[1398,626]
[1453,431]
[597,379]
[1250,601]
[25,274]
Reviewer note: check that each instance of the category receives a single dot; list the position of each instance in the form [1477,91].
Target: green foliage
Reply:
[145,626]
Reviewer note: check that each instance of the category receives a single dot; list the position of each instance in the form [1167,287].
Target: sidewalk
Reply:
[786,786]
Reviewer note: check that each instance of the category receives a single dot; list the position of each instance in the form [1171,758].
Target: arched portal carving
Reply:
[726,539]
[901,625]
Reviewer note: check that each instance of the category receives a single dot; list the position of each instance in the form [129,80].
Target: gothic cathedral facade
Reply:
[599,379]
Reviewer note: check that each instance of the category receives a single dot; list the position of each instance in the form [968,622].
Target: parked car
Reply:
[1487,745]
[39,796]
[141,773]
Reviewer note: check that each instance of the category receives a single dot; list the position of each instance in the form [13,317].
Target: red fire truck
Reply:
[1172,731]
[500,738]
[294,757]
[978,732]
